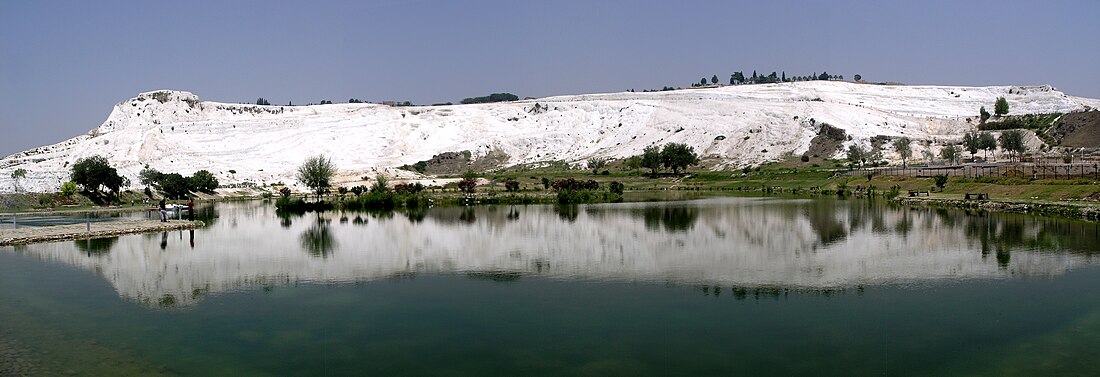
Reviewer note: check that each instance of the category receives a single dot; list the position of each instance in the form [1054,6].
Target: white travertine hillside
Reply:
[174,131]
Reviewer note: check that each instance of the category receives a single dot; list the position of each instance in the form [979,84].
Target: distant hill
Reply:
[730,126]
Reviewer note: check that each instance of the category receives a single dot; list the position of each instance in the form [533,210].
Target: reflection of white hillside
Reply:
[740,242]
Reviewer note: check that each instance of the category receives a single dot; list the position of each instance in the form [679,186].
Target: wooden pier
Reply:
[88,230]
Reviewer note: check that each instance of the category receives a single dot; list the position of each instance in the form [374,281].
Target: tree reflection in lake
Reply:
[318,238]
[672,218]
[96,246]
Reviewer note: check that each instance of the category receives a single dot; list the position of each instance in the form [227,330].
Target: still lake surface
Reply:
[750,286]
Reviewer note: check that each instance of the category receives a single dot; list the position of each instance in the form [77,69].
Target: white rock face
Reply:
[173,131]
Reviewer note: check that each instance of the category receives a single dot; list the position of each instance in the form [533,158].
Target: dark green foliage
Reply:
[1013,142]
[941,180]
[148,192]
[714,79]
[495,97]
[326,102]
[703,81]
[570,184]
[677,156]
[355,100]
[616,187]
[823,76]
[418,167]
[19,173]
[651,158]
[971,142]
[285,192]
[1035,122]
[545,183]
[203,181]
[408,188]
[174,185]
[1001,107]
[262,102]
[983,114]
[857,77]
[95,172]
[805,158]
[358,190]
[511,185]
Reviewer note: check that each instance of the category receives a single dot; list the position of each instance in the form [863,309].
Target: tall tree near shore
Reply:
[714,79]
[651,158]
[316,173]
[902,146]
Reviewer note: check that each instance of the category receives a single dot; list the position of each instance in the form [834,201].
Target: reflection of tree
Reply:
[467,215]
[359,220]
[206,213]
[823,220]
[318,239]
[286,217]
[96,245]
[513,214]
[567,212]
[673,219]
[497,276]
[416,215]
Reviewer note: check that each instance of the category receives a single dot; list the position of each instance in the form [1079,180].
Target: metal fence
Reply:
[1014,170]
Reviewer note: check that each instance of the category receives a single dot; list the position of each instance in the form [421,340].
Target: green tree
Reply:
[651,158]
[857,77]
[902,146]
[983,114]
[856,154]
[677,156]
[971,142]
[1001,107]
[381,184]
[94,173]
[714,79]
[616,187]
[703,81]
[597,163]
[262,102]
[149,176]
[203,181]
[316,173]
[174,185]
[950,153]
[987,142]
[68,189]
[17,175]
[1012,141]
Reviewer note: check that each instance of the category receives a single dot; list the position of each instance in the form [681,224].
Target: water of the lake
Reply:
[729,286]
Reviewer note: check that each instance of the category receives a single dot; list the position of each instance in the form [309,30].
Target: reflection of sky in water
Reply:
[732,241]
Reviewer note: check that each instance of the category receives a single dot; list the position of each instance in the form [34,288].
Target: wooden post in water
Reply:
[88,222]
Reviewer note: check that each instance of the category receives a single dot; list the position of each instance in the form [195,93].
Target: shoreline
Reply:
[1082,211]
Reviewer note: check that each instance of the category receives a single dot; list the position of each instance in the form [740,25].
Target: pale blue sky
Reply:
[66,63]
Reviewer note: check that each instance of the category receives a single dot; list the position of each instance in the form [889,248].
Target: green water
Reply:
[710,287]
